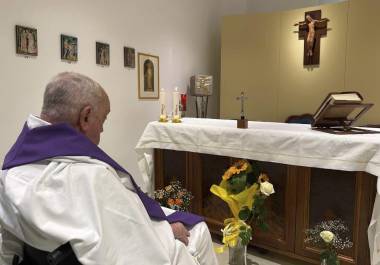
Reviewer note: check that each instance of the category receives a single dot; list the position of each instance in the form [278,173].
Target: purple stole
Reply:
[61,139]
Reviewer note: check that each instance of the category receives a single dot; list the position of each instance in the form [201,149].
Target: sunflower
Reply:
[235,169]
[241,165]
[228,174]
[263,177]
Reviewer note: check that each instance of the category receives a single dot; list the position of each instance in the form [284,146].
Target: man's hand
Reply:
[180,232]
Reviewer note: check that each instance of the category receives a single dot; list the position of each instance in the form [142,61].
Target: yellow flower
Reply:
[263,177]
[228,174]
[242,167]
[239,166]
[235,201]
[231,233]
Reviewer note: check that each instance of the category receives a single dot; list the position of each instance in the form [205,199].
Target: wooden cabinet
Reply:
[329,194]
[304,197]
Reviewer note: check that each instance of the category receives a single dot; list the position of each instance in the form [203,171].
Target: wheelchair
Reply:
[63,255]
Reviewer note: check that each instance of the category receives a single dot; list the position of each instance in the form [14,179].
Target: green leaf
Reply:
[237,183]
[244,213]
[263,227]
[259,201]
[330,257]
[245,237]
[324,255]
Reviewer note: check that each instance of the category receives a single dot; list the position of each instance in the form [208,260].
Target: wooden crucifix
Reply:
[311,30]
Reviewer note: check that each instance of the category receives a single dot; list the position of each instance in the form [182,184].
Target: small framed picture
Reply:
[26,41]
[102,53]
[129,57]
[148,75]
[69,48]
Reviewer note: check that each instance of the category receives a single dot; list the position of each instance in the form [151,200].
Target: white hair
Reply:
[67,94]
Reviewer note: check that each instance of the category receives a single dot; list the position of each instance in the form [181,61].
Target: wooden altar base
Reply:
[304,196]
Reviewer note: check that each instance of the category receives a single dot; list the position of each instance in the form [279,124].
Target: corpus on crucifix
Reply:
[242,122]
[311,30]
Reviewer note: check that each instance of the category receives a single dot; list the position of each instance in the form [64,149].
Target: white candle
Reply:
[175,101]
[162,102]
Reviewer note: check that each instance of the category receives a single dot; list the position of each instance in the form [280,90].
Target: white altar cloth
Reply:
[293,144]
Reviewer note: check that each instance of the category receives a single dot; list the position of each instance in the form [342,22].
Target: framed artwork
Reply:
[26,41]
[129,57]
[69,48]
[102,53]
[149,76]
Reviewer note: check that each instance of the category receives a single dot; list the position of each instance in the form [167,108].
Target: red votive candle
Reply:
[183,101]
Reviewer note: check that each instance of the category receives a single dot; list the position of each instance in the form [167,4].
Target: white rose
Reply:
[266,188]
[327,236]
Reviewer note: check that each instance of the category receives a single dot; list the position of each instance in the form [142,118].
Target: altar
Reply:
[317,176]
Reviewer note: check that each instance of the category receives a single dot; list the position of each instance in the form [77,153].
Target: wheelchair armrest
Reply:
[62,255]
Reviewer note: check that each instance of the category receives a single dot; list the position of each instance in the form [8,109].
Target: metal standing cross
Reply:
[242,98]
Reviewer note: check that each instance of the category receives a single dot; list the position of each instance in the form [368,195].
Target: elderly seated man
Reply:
[58,186]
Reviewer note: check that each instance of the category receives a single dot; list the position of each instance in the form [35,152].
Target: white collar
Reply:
[34,122]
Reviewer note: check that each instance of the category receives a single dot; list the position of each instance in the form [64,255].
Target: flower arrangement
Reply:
[245,196]
[174,196]
[330,236]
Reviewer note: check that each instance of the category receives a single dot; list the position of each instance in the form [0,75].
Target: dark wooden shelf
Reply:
[304,196]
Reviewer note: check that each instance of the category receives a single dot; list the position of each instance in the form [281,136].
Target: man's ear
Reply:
[84,117]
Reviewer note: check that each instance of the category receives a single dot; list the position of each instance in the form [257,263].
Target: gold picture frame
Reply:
[148,76]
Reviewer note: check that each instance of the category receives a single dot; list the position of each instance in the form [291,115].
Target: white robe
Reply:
[86,202]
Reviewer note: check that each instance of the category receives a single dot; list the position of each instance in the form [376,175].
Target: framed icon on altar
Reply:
[148,76]
[26,41]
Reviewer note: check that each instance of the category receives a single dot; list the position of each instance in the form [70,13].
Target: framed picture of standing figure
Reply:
[102,54]
[69,48]
[26,41]
[148,76]
[129,57]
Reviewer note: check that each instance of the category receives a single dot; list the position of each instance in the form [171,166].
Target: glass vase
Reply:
[238,254]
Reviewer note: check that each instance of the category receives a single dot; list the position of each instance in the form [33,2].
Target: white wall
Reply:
[257,6]
[233,7]
[184,34]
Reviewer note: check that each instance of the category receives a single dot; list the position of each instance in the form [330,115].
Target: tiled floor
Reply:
[254,258]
